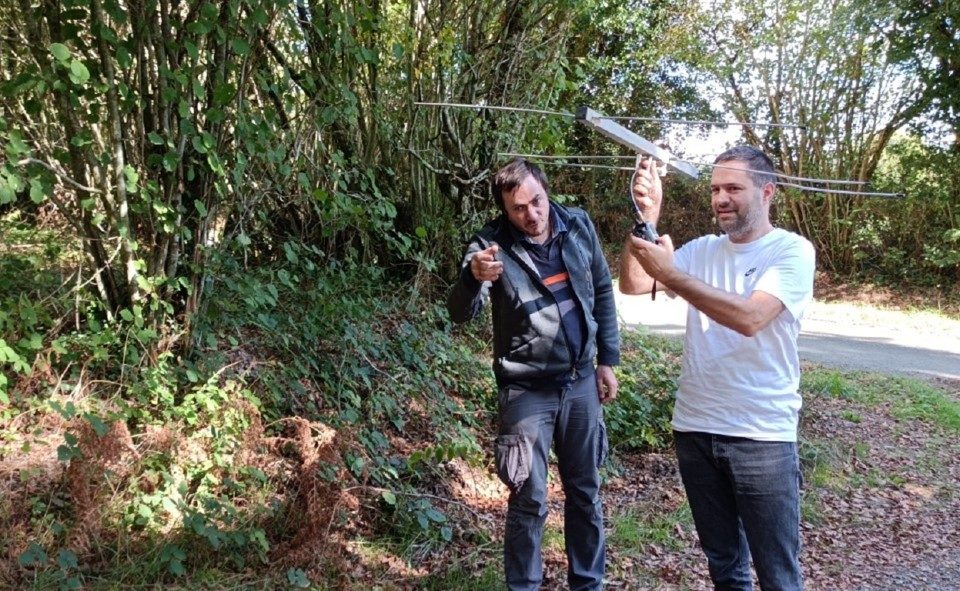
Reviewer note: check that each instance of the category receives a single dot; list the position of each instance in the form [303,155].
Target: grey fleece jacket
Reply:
[527,344]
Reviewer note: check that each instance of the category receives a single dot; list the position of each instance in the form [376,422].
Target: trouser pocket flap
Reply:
[603,443]
[513,460]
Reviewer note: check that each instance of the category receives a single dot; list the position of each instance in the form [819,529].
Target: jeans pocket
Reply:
[513,460]
[603,444]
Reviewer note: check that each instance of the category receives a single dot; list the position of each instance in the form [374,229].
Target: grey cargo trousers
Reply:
[570,418]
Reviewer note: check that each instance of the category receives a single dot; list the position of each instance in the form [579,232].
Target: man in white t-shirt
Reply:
[735,418]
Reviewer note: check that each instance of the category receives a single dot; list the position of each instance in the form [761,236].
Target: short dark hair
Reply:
[512,176]
[761,169]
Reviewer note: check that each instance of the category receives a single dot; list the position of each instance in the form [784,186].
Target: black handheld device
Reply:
[645,230]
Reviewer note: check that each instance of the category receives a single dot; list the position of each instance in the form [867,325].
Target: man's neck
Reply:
[751,236]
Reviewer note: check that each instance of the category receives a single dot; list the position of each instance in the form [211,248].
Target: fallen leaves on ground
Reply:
[881,505]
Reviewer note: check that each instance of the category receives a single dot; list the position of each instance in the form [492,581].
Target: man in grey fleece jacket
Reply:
[544,272]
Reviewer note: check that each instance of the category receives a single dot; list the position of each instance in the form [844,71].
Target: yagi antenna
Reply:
[784,180]
[623,136]
[597,122]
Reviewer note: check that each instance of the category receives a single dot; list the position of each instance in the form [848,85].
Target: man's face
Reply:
[741,208]
[528,209]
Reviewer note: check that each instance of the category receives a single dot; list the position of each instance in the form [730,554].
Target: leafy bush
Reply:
[335,340]
[914,240]
[30,305]
[640,417]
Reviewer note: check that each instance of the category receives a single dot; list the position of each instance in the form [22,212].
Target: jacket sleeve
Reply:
[604,306]
[465,299]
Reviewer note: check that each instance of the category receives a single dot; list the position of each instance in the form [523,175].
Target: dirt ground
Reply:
[881,500]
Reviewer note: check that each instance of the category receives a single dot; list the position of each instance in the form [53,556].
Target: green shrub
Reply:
[640,417]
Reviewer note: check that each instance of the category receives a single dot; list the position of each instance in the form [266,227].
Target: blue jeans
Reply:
[745,498]
[570,418]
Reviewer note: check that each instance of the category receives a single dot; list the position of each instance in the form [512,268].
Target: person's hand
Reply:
[656,259]
[606,384]
[484,265]
[648,190]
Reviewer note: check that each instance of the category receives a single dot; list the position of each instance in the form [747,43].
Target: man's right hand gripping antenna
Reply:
[641,228]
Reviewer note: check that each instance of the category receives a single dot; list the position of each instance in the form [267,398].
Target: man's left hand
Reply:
[606,384]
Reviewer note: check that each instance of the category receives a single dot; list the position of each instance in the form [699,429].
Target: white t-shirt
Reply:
[732,384]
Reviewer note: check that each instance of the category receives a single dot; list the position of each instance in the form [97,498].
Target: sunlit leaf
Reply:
[60,51]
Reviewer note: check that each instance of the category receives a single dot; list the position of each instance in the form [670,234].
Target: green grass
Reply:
[829,382]
[463,580]
[909,398]
[636,528]
[811,508]
[861,450]
[830,464]
[821,461]
[923,402]
[552,538]
[852,416]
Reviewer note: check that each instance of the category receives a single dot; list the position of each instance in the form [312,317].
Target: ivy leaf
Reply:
[170,161]
[17,146]
[78,72]
[176,568]
[197,143]
[198,28]
[37,191]
[434,515]
[209,11]
[7,195]
[60,51]
[4,397]
[240,46]
[66,559]
[65,453]
[259,16]
[223,93]
[34,555]
[192,50]
[123,57]
[99,427]
[298,578]
[131,175]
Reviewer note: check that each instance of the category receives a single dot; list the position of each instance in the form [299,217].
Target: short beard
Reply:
[741,225]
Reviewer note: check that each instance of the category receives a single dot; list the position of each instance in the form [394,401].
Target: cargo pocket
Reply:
[513,460]
[603,444]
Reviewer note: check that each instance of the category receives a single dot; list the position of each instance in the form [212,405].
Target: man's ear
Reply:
[768,190]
